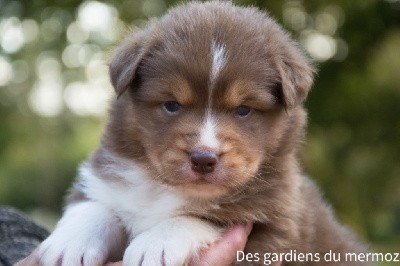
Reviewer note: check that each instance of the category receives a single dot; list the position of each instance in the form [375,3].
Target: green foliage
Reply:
[48,123]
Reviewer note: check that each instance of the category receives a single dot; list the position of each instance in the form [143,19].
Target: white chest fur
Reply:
[137,201]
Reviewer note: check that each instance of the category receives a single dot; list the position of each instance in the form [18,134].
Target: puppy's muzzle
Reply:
[203,162]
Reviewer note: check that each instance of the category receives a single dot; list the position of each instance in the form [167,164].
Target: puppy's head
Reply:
[207,96]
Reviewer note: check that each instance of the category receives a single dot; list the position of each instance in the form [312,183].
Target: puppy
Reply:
[203,135]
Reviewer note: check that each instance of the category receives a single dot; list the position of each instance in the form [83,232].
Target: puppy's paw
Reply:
[146,249]
[171,243]
[86,235]
[65,249]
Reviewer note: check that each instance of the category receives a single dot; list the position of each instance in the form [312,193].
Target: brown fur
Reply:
[258,178]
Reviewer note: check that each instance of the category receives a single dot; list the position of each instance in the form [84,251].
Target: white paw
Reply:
[86,235]
[152,251]
[172,243]
[61,249]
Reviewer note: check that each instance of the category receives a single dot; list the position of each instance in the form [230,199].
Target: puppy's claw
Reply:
[163,258]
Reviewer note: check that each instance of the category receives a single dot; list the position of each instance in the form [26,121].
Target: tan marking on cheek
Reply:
[155,159]
[184,134]
[236,160]
[168,155]
[180,143]
[175,152]
[170,160]
[242,168]
[226,146]
[252,161]
[239,159]
[235,167]
[229,138]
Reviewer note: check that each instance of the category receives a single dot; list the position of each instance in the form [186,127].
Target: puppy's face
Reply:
[208,97]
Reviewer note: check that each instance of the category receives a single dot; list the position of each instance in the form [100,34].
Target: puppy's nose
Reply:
[203,161]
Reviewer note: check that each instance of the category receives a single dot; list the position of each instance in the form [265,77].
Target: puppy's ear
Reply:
[296,76]
[124,64]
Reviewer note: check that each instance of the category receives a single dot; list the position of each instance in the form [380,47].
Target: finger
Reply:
[31,260]
[223,252]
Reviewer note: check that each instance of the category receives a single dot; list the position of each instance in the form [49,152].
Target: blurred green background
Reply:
[54,90]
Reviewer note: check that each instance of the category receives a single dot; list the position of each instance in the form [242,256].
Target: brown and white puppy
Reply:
[203,135]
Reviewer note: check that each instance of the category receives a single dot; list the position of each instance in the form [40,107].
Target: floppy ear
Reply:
[124,64]
[296,76]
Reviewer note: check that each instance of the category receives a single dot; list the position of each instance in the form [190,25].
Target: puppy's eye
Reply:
[242,111]
[172,106]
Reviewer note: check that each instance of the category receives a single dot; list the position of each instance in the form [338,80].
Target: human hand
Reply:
[223,252]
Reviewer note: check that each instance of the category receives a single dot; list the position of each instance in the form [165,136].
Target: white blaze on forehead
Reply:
[208,136]
[218,60]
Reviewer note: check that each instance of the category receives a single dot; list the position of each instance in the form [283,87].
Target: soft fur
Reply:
[138,196]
